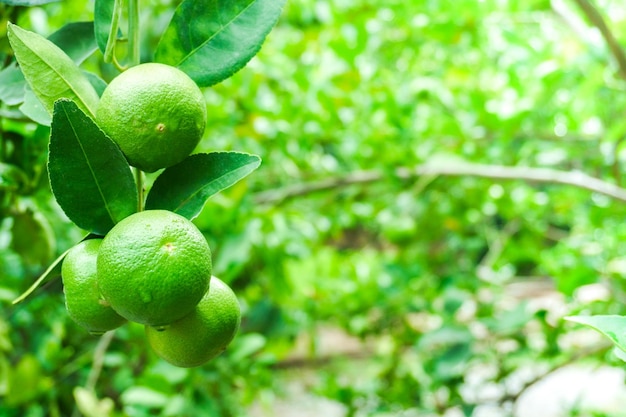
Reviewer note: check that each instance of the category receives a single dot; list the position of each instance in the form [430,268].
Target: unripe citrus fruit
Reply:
[82,298]
[154,267]
[155,113]
[204,333]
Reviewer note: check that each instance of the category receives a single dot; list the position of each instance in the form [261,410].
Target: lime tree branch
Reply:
[451,169]
[596,19]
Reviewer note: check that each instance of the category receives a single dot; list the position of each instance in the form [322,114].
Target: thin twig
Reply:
[598,21]
[616,166]
[318,361]
[455,169]
[96,366]
[98,360]
[485,270]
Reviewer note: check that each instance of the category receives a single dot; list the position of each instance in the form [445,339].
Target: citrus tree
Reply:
[141,258]
[442,185]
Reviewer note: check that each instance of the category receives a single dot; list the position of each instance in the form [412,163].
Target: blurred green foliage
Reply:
[425,272]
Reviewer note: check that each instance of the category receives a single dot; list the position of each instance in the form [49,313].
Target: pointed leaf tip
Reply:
[210,40]
[611,326]
[184,188]
[49,71]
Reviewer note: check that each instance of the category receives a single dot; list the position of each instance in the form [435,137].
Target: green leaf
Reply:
[612,326]
[103,16]
[50,72]
[89,175]
[12,178]
[27,381]
[98,83]
[210,40]
[144,396]
[33,108]
[32,238]
[27,3]
[76,39]
[12,84]
[247,345]
[184,188]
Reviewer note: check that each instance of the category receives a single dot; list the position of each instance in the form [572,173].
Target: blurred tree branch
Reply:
[598,21]
[594,16]
[454,169]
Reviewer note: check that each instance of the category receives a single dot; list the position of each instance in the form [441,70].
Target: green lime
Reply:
[155,113]
[154,267]
[82,297]
[204,333]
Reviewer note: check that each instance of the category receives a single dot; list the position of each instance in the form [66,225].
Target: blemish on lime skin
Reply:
[146,296]
[169,247]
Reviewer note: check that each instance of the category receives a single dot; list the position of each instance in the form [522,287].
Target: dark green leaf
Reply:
[98,83]
[76,39]
[103,15]
[50,72]
[210,40]
[89,175]
[184,188]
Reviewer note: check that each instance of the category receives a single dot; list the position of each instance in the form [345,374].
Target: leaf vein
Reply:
[91,169]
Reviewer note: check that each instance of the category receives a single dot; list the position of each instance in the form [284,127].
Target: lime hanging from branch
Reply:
[155,113]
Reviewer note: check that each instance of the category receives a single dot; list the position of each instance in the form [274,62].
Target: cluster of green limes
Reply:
[153,267]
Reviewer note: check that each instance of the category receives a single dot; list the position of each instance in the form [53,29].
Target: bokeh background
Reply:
[440,187]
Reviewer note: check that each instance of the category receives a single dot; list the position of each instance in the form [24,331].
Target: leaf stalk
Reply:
[140,190]
[134,56]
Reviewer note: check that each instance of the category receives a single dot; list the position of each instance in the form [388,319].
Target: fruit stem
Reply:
[134,57]
[139,182]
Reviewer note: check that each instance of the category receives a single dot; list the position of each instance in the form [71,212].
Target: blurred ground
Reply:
[579,389]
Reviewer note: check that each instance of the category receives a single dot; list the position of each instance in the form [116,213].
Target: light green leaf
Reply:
[33,108]
[51,74]
[76,39]
[12,85]
[90,405]
[612,326]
